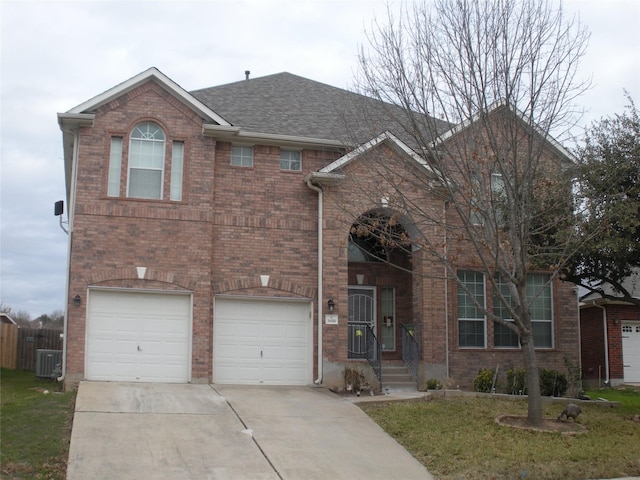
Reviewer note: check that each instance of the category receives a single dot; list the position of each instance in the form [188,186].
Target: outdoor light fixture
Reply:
[331,305]
[76,300]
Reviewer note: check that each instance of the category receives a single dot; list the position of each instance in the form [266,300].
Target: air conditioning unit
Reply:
[48,363]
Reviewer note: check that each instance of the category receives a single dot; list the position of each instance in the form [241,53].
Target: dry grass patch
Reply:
[458,438]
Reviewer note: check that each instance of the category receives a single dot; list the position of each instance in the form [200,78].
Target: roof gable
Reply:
[384,138]
[495,107]
[151,74]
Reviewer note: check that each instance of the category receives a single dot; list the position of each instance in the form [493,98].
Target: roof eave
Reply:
[238,134]
[602,302]
[324,179]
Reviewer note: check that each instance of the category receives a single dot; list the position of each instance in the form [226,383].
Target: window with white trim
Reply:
[241,156]
[540,308]
[146,164]
[483,202]
[471,302]
[503,336]
[177,162]
[388,328]
[290,160]
[115,167]
[146,161]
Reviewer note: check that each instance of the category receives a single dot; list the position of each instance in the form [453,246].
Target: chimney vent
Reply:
[246,74]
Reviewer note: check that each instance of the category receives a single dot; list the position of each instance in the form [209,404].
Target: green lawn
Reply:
[35,427]
[458,438]
[628,397]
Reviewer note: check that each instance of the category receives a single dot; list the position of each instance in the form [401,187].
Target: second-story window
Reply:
[146,161]
[242,156]
[290,160]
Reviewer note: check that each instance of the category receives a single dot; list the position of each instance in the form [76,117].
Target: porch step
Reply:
[397,378]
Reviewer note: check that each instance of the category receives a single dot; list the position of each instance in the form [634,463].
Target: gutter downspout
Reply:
[446,292]
[74,172]
[606,341]
[318,380]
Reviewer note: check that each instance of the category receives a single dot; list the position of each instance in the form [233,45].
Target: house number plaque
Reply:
[331,319]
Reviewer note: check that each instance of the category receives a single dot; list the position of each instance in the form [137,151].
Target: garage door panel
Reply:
[135,336]
[631,351]
[262,342]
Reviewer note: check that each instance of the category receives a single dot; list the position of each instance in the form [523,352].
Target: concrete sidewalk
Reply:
[169,431]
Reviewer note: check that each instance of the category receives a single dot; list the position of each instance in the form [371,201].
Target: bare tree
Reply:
[476,88]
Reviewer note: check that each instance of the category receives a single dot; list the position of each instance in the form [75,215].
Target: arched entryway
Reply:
[380,284]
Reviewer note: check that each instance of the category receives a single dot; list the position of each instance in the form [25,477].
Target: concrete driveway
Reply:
[169,431]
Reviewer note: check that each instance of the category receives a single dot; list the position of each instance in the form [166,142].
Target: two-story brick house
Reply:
[208,243]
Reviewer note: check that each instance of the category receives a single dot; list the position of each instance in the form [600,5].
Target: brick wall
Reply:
[592,343]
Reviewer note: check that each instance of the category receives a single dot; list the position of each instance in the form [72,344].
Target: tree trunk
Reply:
[534,399]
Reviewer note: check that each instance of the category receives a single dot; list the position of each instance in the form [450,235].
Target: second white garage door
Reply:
[262,342]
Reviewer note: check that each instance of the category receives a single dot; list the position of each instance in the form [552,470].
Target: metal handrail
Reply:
[374,354]
[411,353]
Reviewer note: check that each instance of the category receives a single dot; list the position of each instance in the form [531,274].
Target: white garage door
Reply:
[262,342]
[138,337]
[631,352]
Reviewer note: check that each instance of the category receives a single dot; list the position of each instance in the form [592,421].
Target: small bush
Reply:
[484,380]
[353,378]
[552,383]
[517,381]
[434,384]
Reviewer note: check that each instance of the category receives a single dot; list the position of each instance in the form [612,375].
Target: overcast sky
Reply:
[56,55]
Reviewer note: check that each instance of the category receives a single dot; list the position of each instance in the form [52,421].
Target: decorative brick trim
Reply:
[253,282]
[130,273]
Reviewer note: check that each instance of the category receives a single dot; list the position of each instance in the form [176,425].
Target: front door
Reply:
[362,314]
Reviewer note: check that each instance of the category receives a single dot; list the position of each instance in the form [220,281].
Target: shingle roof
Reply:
[631,284]
[287,104]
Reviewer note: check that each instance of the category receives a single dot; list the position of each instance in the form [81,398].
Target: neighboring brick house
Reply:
[208,244]
[610,336]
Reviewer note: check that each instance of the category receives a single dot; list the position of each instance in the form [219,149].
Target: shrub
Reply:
[517,381]
[353,378]
[552,383]
[484,380]
[434,384]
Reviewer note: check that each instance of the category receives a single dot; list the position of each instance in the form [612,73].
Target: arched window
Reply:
[366,249]
[375,236]
[146,161]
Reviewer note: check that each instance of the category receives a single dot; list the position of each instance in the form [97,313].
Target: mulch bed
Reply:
[550,425]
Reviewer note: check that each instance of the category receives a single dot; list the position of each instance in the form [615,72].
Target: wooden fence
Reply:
[20,345]
[8,345]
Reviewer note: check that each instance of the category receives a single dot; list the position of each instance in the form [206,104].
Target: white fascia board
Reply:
[374,142]
[150,74]
[236,133]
